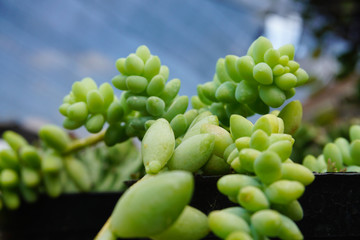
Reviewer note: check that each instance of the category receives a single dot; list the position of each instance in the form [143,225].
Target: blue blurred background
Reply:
[45,46]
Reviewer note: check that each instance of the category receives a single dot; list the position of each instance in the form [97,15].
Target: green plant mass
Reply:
[214,137]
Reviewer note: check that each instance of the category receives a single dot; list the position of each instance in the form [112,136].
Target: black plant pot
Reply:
[68,217]
[331,211]
[332,207]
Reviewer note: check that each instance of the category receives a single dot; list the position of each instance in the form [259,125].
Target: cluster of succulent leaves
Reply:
[146,95]
[311,138]
[266,186]
[251,84]
[341,155]
[86,104]
[30,170]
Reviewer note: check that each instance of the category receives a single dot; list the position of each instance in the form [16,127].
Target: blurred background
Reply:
[45,46]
